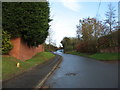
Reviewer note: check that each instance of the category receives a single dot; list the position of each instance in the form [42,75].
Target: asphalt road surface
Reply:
[80,72]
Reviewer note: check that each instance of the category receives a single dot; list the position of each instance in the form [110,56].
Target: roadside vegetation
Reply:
[50,48]
[9,68]
[94,38]
[98,56]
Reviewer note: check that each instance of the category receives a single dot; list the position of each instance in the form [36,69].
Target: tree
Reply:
[65,42]
[109,40]
[28,20]
[110,17]
[53,48]
[89,29]
[69,44]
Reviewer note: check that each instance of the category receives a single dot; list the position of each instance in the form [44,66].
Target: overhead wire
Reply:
[97,14]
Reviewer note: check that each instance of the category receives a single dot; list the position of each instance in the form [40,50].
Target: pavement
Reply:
[33,78]
[81,72]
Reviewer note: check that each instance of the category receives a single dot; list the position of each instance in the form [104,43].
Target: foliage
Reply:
[28,20]
[86,47]
[93,35]
[93,46]
[89,29]
[50,47]
[6,44]
[93,38]
[69,44]
[110,40]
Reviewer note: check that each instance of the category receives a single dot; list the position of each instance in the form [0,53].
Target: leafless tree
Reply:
[110,17]
[50,37]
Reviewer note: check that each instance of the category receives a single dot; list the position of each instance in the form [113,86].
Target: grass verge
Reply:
[99,56]
[9,64]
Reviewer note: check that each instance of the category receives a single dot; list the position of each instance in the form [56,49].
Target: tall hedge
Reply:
[28,20]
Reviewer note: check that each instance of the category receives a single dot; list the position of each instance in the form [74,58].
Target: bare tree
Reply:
[110,17]
[119,15]
[49,39]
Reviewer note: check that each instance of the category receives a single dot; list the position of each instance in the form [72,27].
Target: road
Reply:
[80,72]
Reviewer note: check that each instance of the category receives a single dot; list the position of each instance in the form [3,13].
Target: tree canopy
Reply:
[28,20]
[69,43]
[89,29]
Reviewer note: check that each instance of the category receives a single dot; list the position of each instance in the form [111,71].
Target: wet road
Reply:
[81,72]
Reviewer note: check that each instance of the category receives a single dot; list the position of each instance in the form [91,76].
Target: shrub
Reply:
[110,40]
[86,47]
[50,47]
[6,44]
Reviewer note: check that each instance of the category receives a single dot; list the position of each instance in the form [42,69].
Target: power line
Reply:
[98,9]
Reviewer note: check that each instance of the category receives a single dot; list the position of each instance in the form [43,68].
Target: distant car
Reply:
[61,50]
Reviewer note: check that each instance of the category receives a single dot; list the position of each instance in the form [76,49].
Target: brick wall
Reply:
[111,50]
[22,51]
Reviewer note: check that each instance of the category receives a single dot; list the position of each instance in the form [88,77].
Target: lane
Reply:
[81,72]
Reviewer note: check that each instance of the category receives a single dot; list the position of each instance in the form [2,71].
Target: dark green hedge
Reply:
[28,20]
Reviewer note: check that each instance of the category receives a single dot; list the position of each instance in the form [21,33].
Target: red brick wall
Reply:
[22,51]
[113,49]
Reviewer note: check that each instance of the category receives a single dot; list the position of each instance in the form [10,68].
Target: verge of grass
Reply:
[99,56]
[9,64]
[105,56]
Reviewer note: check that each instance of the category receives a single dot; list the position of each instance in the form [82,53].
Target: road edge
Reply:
[41,82]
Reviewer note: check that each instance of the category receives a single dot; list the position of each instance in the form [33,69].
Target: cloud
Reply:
[71,4]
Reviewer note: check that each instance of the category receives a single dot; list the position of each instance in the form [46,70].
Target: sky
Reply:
[67,13]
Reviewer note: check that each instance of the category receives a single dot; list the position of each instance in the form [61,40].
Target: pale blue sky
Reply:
[66,16]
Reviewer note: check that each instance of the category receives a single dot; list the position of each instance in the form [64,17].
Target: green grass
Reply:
[105,56]
[9,64]
[98,56]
